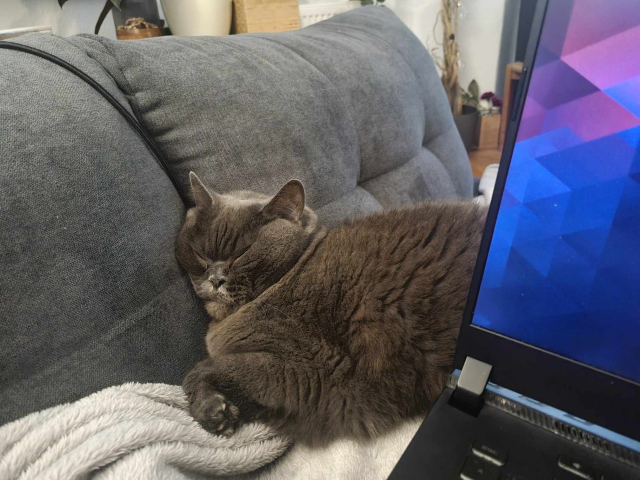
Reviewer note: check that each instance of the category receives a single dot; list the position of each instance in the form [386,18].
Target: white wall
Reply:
[479,39]
[420,17]
[77,16]
[480,36]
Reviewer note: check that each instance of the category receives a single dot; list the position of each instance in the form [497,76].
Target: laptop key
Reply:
[561,474]
[577,467]
[511,476]
[475,468]
[489,453]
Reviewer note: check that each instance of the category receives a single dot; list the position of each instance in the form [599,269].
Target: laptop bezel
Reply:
[586,392]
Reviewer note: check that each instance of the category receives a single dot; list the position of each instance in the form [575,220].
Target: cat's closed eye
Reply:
[204,263]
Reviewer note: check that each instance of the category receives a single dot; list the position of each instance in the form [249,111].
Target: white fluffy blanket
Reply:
[133,431]
[143,431]
[342,459]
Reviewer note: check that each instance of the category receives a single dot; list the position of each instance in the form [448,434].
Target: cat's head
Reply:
[236,245]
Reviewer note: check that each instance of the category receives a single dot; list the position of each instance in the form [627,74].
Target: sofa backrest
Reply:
[90,292]
[351,106]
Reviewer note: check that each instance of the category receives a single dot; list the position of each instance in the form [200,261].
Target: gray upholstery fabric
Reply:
[90,292]
[337,105]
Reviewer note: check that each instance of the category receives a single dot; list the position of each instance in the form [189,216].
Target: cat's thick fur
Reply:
[324,333]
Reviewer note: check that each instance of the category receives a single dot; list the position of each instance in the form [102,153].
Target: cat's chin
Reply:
[219,310]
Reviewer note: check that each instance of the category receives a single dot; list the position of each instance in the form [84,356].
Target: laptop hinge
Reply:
[468,393]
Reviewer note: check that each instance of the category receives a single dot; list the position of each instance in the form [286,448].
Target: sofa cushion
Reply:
[90,292]
[337,105]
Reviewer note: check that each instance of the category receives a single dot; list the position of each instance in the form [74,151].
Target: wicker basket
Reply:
[251,16]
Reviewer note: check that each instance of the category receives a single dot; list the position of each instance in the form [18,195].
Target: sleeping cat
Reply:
[323,333]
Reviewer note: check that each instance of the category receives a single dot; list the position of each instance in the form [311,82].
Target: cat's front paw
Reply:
[215,413]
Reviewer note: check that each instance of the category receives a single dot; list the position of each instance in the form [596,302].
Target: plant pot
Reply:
[147,9]
[466,123]
[139,33]
[198,17]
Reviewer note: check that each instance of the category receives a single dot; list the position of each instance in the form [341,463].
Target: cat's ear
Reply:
[288,203]
[203,198]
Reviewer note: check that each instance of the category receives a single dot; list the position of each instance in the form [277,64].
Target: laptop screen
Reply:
[563,268]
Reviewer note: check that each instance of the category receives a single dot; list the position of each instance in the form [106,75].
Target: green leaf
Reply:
[380,1]
[474,90]
[468,98]
[364,3]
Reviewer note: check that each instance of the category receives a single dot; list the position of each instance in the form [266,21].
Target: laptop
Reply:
[547,368]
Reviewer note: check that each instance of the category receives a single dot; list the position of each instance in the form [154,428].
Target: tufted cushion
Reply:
[90,292]
[351,102]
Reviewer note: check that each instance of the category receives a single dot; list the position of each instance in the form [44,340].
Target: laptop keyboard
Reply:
[485,462]
[475,468]
[577,468]
[488,462]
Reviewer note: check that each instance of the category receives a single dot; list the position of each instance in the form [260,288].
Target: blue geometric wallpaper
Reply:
[563,270]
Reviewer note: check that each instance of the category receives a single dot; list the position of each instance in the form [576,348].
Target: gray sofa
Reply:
[90,292]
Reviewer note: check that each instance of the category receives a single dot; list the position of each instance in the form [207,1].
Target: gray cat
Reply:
[324,333]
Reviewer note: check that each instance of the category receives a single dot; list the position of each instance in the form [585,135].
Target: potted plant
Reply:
[135,28]
[198,17]
[462,103]
[488,128]
[467,119]
[134,19]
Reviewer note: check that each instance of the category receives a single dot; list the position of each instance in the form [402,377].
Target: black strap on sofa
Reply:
[153,148]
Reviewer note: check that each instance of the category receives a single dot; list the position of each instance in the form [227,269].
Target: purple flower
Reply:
[487,96]
[496,102]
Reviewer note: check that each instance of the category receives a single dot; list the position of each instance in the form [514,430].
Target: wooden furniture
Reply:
[488,131]
[252,16]
[481,159]
[514,70]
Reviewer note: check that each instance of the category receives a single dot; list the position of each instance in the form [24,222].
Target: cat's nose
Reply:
[217,280]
